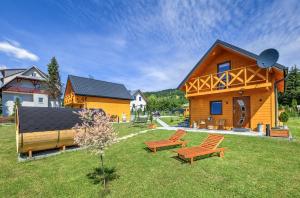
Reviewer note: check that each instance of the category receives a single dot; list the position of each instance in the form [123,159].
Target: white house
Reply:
[29,85]
[138,100]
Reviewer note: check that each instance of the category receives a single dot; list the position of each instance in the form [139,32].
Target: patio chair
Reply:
[202,124]
[221,124]
[208,146]
[174,140]
[210,124]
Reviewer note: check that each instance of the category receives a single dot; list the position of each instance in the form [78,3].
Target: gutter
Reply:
[285,74]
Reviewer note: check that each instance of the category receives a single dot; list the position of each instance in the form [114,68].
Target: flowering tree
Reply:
[95,133]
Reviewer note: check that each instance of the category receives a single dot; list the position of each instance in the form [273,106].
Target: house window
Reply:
[41,100]
[33,74]
[222,67]
[216,108]
[140,98]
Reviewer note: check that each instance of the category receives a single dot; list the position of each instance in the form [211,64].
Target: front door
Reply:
[241,112]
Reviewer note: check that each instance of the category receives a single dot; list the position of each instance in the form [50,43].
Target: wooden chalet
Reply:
[114,99]
[227,84]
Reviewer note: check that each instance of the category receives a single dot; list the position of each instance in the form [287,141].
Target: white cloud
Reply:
[3,67]
[14,49]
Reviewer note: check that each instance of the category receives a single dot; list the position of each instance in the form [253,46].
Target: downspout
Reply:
[285,74]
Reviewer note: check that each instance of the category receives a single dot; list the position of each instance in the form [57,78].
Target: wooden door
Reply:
[241,112]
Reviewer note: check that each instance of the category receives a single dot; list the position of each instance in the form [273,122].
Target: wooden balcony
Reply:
[25,90]
[232,80]
[73,99]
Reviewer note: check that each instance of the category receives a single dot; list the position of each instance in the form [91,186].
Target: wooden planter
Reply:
[279,133]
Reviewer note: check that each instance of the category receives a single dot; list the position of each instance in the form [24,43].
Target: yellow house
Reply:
[89,93]
[227,86]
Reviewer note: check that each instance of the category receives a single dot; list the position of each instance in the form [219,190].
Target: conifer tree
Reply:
[54,83]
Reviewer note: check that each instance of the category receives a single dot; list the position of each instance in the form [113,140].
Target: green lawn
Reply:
[252,167]
[173,120]
[124,129]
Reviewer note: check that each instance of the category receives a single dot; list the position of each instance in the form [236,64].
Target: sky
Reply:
[148,45]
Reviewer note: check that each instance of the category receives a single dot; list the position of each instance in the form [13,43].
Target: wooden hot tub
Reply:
[42,128]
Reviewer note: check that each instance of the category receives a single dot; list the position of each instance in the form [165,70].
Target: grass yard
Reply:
[124,129]
[173,120]
[252,167]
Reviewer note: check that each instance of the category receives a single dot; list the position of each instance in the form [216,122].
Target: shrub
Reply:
[283,117]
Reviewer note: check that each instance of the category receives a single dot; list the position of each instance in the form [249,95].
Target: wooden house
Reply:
[227,85]
[114,99]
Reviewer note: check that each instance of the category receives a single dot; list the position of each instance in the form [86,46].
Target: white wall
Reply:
[27,100]
[137,103]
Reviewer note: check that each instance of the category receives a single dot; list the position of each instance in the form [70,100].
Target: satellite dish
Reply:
[267,58]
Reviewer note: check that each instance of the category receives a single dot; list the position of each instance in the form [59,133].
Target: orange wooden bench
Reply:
[208,146]
[174,140]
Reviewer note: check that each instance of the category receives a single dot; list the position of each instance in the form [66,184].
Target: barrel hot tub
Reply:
[43,128]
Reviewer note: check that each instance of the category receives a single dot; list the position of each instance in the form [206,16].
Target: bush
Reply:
[283,117]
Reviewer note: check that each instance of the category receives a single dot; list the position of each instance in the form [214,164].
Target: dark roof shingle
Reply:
[38,119]
[91,87]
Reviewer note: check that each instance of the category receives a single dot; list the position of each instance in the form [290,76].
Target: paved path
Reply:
[134,134]
[162,123]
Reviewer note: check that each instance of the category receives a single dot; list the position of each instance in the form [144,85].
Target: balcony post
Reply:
[198,84]
[227,79]
[211,82]
[245,76]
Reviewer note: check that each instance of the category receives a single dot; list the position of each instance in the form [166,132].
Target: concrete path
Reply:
[162,123]
[134,134]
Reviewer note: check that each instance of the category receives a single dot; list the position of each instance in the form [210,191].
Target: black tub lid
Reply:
[35,119]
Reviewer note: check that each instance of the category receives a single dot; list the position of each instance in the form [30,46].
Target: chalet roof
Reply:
[232,47]
[34,119]
[133,93]
[20,73]
[98,88]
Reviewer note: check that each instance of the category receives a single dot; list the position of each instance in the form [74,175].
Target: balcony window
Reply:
[222,67]
[216,108]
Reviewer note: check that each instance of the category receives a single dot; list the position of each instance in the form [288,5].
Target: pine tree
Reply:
[54,83]
[292,87]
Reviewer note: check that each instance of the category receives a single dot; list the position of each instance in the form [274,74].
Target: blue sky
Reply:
[150,45]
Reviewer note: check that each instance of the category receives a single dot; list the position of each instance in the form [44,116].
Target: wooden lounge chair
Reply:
[174,140]
[208,146]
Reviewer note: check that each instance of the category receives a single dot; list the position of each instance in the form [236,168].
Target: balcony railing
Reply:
[232,80]
[25,90]
[73,99]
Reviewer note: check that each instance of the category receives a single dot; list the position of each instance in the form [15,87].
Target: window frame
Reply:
[219,73]
[42,100]
[210,107]
[229,62]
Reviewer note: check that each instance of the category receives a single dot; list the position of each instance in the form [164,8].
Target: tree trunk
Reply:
[101,156]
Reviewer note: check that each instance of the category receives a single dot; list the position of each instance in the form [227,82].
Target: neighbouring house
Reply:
[28,85]
[138,100]
[90,93]
[226,84]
